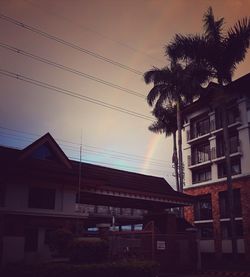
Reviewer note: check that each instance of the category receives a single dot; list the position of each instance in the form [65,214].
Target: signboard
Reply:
[161,245]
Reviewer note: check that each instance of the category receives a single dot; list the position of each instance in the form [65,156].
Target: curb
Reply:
[227,273]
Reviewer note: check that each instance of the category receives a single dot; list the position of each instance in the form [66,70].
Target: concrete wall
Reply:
[16,198]
[223,246]
[13,249]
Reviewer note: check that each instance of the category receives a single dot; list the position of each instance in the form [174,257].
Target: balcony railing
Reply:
[108,211]
[217,124]
[199,158]
[235,147]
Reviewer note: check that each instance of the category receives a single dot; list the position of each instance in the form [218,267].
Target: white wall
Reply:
[207,246]
[227,246]
[16,198]
[13,249]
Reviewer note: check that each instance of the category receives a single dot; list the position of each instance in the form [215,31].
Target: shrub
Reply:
[89,251]
[125,269]
[60,240]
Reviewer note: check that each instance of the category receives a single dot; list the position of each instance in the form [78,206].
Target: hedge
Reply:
[121,269]
[89,251]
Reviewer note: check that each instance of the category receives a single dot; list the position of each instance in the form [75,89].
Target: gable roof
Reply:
[47,139]
[103,183]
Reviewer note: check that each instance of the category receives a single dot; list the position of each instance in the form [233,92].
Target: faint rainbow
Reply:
[152,146]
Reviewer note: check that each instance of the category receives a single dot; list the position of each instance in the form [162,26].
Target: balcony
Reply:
[198,131]
[235,147]
[233,118]
[199,159]
[200,154]
[106,211]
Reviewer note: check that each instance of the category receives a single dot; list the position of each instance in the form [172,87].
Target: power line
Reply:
[94,161]
[121,43]
[109,151]
[69,44]
[75,151]
[69,69]
[128,157]
[72,94]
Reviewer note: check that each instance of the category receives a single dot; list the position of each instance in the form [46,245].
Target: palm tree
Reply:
[221,52]
[175,84]
[166,123]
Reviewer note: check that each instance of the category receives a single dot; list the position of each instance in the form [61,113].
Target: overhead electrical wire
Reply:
[88,29]
[69,69]
[72,94]
[103,151]
[76,157]
[69,44]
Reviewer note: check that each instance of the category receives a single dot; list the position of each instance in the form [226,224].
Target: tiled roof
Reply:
[93,174]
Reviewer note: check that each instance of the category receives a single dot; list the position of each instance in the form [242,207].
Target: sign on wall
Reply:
[161,245]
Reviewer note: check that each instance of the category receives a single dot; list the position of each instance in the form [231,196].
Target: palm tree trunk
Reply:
[229,179]
[179,144]
[175,162]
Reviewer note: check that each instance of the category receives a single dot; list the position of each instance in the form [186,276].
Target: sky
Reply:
[75,69]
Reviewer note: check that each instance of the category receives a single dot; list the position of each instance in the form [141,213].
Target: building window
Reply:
[103,210]
[205,230]
[201,175]
[226,229]
[138,227]
[126,227]
[44,152]
[201,153]
[31,240]
[41,198]
[200,127]
[203,208]
[223,202]
[233,115]
[235,168]
[233,145]
[126,211]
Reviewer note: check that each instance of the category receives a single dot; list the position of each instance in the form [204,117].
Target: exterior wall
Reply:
[16,198]
[240,126]
[12,239]
[13,249]
[224,246]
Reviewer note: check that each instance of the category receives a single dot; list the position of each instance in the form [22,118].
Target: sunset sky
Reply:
[106,45]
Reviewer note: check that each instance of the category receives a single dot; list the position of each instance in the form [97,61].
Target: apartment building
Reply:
[205,168]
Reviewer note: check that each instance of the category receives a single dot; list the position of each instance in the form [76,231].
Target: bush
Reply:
[132,269]
[60,240]
[89,251]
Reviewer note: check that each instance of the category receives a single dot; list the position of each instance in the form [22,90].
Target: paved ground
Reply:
[212,274]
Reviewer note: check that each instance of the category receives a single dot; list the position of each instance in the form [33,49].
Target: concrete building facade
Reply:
[205,167]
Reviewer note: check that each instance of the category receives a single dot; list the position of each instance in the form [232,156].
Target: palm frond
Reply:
[212,28]
[186,48]
[237,42]
[157,75]
[155,93]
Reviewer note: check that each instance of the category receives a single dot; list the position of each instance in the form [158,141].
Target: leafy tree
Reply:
[175,84]
[221,52]
[166,123]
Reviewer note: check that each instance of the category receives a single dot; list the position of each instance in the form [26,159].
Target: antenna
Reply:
[80,172]
[79,186]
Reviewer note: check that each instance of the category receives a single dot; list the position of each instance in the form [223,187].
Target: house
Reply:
[41,190]
[205,169]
